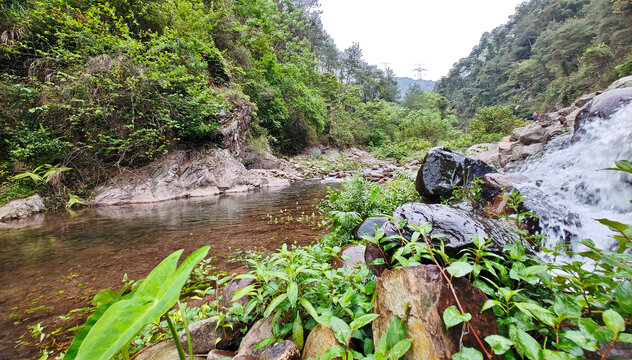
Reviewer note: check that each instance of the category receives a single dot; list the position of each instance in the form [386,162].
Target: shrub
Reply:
[495,119]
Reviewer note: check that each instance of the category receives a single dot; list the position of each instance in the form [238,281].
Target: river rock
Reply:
[206,336]
[220,354]
[349,256]
[486,152]
[368,226]
[602,106]
[424,293]
[527,135]
[621,83]
[320,339]
[262,329]
[520,152]
[22,208]
[285,350]
[457,226]
[499,183]
[444,169]
[231,288]
[164,350]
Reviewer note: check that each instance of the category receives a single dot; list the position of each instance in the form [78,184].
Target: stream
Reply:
[60,259]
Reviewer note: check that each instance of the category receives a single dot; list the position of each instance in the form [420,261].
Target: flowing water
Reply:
[569,187]
[58,259]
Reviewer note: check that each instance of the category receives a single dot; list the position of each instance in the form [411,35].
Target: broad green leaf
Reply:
[536,311]
[297,331]
[243,292]
[578,338]
[104,297]
[459,269]
[499,344]
[126,317]
[623,293]
[396,332]
[558,355]
[591,330]
[625,337]
[467,353]
[265,342]
[452,317]
[614,321]
[292,293]
[274,304]
[341,330]
[490,304]
[525,344]
[566,306]
[400,349]
[362,320]
[310,309]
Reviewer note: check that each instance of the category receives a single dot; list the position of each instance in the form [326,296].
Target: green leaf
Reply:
[490,304]
[126,317]
[243,292]
[104,297]
[400,349]
[614,321]
[625,337]
[362,320]
[341,330]
[274,304]
[297,331]
[452,317]
[459,269]
[623,294]
[525,344]
[578,338]
[396,332]
[467,353]
[536,311]
[591,330]
[499,344]
[292,293]
[566,306]
[310,309]
[265,342]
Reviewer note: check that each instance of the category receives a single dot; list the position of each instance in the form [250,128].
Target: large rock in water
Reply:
[457,225]
[443,169]
[22,208]
[602,106]
[423,291]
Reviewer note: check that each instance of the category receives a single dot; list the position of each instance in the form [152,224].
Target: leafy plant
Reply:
[110,329]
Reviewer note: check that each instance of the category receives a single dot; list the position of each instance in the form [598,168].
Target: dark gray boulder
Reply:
[602,106]
[443,169]
[456,224]
[368,226]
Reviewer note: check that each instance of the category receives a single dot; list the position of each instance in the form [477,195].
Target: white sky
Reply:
[407,33]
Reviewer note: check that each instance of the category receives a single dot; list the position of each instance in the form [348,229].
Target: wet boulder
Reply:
[368,226]
[456,226]
[373,253]
[419,295]
[206,335]
[262,329]
[443,169]
[602,106]
[497,184]
[349,256]
[285,350]
[320,339]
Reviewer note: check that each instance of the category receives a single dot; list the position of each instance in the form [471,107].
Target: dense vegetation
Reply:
[95,86]
[549,53]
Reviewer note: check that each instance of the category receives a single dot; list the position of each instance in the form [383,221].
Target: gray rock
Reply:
[601,106]
[456,226]
[206,337]
[164,350]
[520,152]
[368,226]
[444,169]
[349,256]
[285,350]
[22,208]
[621,83]
[262,329]
[220,354]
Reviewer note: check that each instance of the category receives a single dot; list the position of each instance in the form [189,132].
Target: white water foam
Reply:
[574,186]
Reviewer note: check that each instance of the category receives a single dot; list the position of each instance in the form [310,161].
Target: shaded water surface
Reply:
[60,259]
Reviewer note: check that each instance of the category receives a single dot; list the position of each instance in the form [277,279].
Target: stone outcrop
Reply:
[285,350]
[456,224]
[320,339]
[22,208]
[349,256]
[443,169]
[183,174]
[425,294]
[206,335]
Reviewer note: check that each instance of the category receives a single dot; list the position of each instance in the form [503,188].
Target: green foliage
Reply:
[112,327]
[546,55]
[494,120]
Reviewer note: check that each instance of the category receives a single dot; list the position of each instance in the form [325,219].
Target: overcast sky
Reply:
[407,33]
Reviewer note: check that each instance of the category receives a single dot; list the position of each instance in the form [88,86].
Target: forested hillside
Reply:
[548,53]
[89,87]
